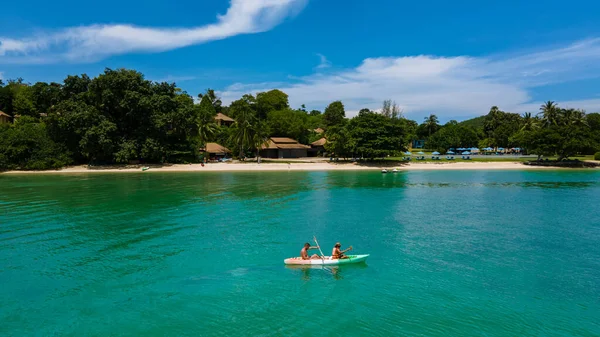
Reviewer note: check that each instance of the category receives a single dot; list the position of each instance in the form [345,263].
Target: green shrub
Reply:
[597,156]
[26,146]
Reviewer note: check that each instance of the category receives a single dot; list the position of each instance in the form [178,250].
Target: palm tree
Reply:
[550,113]
[529,122]
[431,123]
[206,128]
[207,125]
[573,117]
[242,133]
[259,137]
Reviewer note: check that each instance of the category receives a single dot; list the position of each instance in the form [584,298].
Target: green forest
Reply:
[121,117]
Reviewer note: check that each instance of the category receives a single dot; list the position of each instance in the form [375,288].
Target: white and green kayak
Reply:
[327,260]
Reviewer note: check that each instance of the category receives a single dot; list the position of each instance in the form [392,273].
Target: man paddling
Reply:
[336,253]
[304,252]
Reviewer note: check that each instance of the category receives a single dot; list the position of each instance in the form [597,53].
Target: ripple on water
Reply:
[452,253]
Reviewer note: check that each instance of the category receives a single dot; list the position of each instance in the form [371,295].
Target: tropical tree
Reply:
[245,117]
[259,137]
[573,117]
[431,124]
[270,101]
[334,114]
[528,122]
[214,99]
[207,126]
[339,143]
[549,112]
[375,136]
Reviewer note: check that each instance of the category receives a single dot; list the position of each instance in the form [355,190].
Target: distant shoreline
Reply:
[299,166]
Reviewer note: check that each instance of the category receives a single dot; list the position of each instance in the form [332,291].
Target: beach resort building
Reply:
[317,147]
[283,147]
[224,120]
[215,151]
[4,118]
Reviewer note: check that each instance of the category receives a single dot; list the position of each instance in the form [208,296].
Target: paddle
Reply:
[322,255]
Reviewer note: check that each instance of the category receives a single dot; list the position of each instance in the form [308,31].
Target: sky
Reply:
[454,59]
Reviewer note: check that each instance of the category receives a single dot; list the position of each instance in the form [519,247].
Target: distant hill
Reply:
[476,123]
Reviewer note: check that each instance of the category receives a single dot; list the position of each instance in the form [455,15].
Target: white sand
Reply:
[315,166]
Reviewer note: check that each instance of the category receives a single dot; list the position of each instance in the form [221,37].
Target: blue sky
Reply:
[454,59]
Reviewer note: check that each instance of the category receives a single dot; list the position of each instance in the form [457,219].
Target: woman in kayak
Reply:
[304,252]
[336,253]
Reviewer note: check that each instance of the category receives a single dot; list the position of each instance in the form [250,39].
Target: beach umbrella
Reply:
[461,149]
[517,149]
[474,149]
[451,149]
[466,152]
[488,148]
[500,149]
[435,153]
[421,152]
[450,152]
[407,153]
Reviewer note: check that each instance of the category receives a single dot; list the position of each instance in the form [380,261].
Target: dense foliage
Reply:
[120,117]
[553,131]
[369,135]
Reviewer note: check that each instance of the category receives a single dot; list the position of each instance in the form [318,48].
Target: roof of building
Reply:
[283,143]
[320,142]
[215,148]
[224,118]
[2,113]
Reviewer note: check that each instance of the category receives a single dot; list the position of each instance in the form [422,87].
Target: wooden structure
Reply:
[215,151]
[224,120]
[283,147]
[317,147]
[5,118]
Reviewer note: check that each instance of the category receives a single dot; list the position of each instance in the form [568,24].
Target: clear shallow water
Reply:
[452,253]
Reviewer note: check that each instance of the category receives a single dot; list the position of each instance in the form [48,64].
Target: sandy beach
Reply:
[299,166]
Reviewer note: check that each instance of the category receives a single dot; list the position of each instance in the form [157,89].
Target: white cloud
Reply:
[323,62]
[447,86]
[91,43]
[589,105]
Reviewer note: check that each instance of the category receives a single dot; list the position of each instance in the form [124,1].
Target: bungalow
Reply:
[317,147]
[282,147]
[5,118]
[215,151]
[224,120]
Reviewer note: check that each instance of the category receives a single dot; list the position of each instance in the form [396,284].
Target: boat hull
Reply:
[327,261]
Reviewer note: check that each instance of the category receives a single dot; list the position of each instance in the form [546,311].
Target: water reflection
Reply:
[335,272]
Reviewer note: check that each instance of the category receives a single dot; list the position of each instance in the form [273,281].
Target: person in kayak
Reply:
[336,253]
[304,252]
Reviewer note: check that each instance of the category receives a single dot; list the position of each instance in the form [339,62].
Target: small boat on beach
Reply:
[395,170]
[384,171]
[327,260]
[146,168]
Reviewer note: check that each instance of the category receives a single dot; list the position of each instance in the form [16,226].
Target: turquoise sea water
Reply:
[452,254]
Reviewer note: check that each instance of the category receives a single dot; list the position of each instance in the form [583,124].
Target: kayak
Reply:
[327,260]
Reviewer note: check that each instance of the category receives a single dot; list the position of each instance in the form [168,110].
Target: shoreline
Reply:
[300,166]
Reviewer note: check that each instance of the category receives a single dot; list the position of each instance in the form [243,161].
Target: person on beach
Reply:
[336,253]
[304,252]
